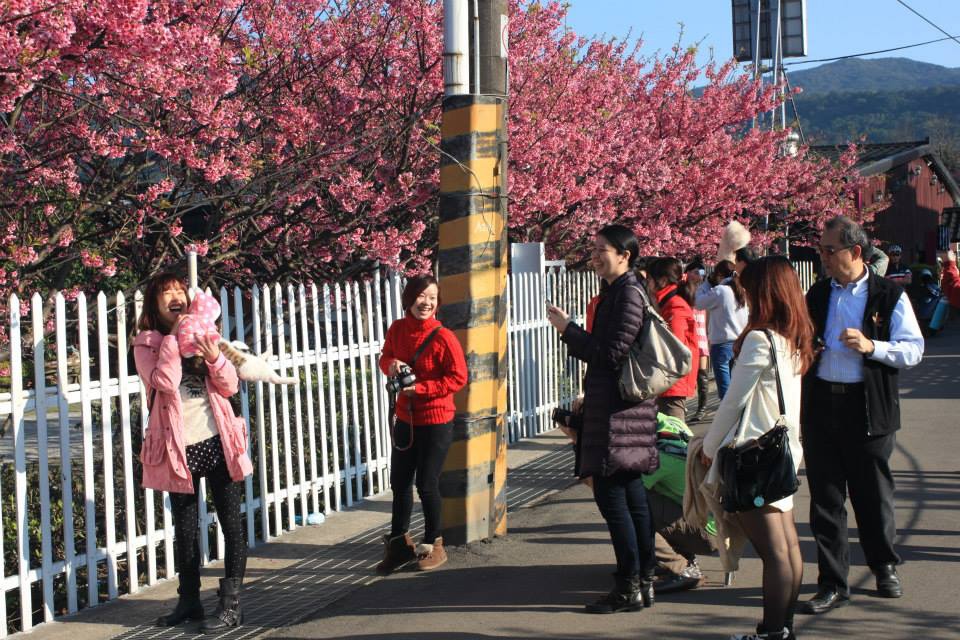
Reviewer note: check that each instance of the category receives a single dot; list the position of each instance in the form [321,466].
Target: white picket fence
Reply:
[318,446]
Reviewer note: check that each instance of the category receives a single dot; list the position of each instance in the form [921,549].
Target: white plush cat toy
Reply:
[200,320]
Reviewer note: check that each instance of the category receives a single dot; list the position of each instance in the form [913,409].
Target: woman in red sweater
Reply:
[423,429]
[664,277]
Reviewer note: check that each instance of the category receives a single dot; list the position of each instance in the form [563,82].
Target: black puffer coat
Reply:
[616,435]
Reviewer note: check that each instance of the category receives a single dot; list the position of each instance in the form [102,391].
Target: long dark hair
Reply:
[777,303]
[414,287]
[150,317]
[623,240]
[671,270]
[725,269]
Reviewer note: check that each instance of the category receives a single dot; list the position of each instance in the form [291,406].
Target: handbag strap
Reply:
[647,304]
[423,345]
[776,374]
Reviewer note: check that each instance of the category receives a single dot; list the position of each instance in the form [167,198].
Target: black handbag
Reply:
[759,471]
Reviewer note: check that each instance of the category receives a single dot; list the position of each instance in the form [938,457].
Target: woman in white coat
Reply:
[777,305]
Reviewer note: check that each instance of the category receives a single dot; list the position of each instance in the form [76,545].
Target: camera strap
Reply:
[393,397]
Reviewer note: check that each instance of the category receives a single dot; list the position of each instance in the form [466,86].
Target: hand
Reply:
[394,368]
[570,433]
[705,460]
[952,256]
[409,391]
[176,324]
[558,318]
[855,340]
[207,347]
[577,405]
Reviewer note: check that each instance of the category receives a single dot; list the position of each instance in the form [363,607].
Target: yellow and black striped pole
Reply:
[473,278]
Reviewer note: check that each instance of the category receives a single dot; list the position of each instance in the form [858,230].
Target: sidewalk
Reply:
[317,582]
[297,575]
[557,556]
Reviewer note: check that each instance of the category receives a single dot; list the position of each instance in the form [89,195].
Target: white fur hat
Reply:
[735,236]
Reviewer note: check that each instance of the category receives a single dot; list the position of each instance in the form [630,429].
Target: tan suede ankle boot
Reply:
[431,556]
[398,551]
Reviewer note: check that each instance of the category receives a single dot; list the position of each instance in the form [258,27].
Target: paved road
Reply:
[557,556]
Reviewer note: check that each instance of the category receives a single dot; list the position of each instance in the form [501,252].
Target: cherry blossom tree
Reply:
[601,134]
[299,138]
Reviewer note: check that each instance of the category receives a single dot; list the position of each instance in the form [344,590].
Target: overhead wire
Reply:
[869,53]
[928,21]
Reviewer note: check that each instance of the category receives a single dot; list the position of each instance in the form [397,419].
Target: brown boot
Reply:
[431,556]
[397,551]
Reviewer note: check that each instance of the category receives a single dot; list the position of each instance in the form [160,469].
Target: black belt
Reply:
[841,388]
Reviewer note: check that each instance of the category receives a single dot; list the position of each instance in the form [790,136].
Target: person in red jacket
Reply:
[950,281]
[423,429]
[663,282]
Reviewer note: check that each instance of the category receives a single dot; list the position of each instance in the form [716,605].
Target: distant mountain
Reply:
[887,116]
[881,100]
[879,74]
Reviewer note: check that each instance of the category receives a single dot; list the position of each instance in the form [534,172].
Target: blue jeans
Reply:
[721,354]
[623,504]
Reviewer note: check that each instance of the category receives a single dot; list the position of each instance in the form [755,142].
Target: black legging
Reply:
[226,499]
[423,458]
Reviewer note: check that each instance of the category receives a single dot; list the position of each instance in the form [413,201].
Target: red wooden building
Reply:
[914,187]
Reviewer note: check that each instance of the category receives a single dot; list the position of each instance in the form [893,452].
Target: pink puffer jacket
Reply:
[163,454]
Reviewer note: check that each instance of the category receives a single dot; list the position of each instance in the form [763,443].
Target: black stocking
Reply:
[782,566]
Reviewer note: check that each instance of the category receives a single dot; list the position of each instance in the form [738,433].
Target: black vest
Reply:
[880,381]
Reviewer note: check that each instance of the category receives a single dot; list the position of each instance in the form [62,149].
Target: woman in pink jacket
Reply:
[192,433]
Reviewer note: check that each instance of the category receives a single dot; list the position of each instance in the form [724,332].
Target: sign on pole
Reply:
[793,22]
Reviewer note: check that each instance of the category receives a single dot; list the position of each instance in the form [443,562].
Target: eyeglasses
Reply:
[827,250]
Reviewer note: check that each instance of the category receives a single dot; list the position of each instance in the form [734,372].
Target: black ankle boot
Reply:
[188,606]
[646,591]
[625,596]
[228,613]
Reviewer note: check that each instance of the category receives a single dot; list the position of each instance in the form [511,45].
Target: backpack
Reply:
[657,359]
[673,435]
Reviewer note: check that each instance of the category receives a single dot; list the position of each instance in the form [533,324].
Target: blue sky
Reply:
[834,27]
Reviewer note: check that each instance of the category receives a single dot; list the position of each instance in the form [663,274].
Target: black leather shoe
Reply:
[826,599]
[888,582]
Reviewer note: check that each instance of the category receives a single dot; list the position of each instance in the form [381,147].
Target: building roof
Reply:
[877,158]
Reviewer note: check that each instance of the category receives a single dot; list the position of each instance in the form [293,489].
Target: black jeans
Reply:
[423,459]
[841,457]
[622,499]
[226,499]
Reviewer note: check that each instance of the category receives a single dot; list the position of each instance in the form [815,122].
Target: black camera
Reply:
[404,378]
[566,418]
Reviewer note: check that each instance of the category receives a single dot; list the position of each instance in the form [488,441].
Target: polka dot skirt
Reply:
[204,456]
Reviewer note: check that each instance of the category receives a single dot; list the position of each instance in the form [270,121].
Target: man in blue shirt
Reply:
[867,332]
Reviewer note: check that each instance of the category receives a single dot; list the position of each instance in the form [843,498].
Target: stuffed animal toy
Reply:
[250,367]
[200,320]
[735,236]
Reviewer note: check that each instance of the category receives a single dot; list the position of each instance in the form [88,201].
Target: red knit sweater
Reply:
[441,369]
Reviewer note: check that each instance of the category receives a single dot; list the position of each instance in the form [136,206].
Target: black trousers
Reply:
[622,500]
[421,459]
[840,459]
[227,497]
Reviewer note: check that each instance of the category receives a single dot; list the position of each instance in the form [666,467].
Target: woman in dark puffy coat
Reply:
[618,439]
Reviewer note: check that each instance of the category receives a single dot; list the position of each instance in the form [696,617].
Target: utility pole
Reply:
[473,263]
